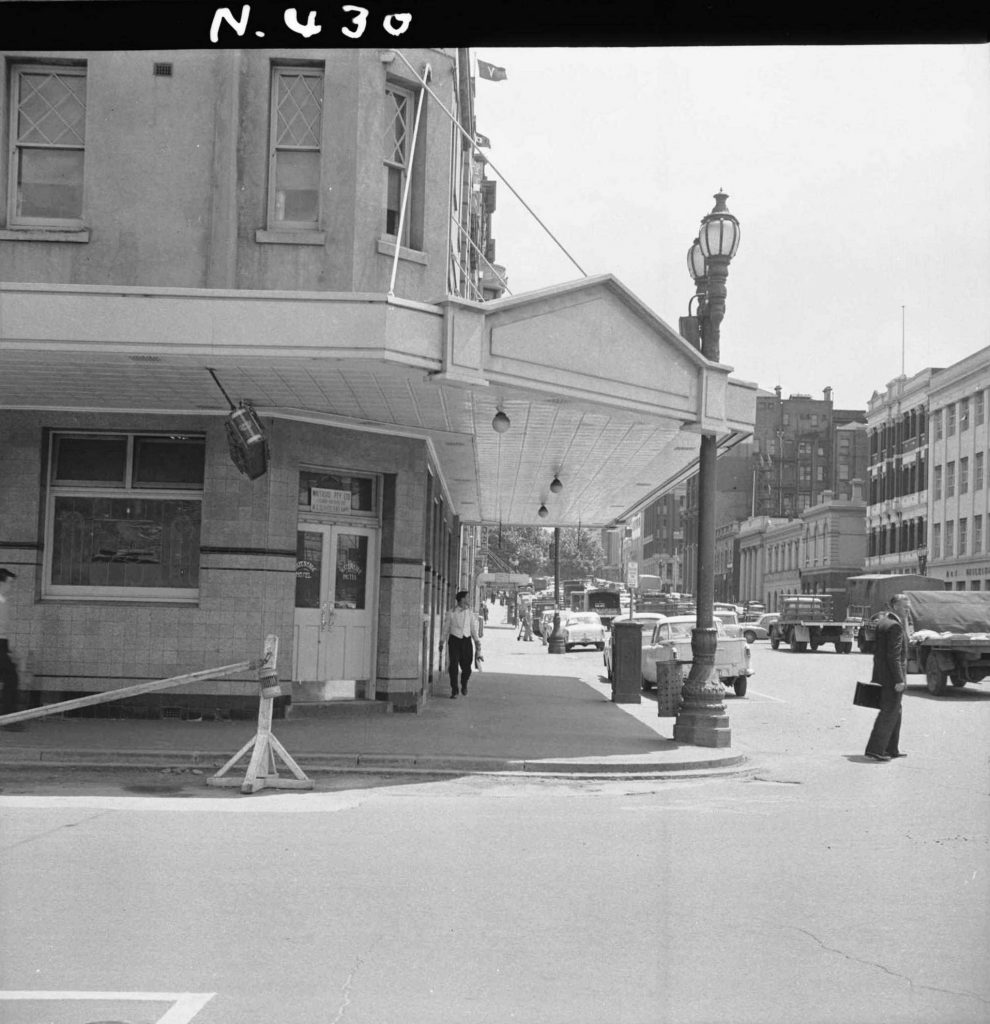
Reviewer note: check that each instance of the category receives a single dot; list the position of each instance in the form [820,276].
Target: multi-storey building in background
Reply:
[897,513]
[663,538]
[959,446]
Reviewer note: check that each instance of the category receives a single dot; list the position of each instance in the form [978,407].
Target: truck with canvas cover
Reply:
[869,594]
[805,621]
[950,637]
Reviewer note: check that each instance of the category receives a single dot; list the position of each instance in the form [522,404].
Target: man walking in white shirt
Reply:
[460,631]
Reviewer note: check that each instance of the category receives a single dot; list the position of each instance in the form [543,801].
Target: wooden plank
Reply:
[126,691]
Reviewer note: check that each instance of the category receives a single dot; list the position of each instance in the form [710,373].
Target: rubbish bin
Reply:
[670,679]
[627,674]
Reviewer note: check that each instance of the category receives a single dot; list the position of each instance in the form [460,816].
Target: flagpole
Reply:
[477,149]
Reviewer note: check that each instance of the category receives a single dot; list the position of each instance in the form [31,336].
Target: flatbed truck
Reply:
[804,624]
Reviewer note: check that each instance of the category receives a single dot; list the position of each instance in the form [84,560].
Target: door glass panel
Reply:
[351,571]
[309,554]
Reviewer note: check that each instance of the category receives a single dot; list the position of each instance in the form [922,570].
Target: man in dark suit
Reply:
[890,671]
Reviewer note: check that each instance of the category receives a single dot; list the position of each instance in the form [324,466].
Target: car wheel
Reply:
[739,685]
[774,644]
[568,647]
[600,647]
[750,636]
[934,676]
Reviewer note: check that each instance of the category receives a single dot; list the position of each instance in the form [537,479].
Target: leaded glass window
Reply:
[48,134]
[296,132]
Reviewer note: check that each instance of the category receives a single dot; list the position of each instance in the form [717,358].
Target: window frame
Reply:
[116,491]
[410,168]
[950,479]
[278,72]
[950,419]
[964,475]
[15,220]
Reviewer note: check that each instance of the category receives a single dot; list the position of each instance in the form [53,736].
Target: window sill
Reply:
[290,237]
[387,248]
[44,235]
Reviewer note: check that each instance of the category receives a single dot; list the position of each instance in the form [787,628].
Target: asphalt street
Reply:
[816,886]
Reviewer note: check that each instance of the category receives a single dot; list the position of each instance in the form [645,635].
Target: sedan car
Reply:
[760,629]
[647,621]
[583,629]
[729,620]
[671,641]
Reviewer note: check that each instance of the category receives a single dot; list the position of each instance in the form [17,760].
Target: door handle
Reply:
[323,616]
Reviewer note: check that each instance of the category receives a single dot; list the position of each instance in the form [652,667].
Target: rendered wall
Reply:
[247,566]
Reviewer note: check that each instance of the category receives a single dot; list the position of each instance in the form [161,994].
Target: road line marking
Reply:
[767,696]
[185,1005]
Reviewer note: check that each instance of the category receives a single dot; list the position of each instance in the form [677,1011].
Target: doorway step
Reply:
[335,697]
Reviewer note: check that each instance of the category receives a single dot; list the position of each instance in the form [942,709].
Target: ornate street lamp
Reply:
[701,716]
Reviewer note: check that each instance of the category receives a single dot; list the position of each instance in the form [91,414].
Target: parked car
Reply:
[729,620]
[671,641]
[646,620]
[760,629]
[583,629]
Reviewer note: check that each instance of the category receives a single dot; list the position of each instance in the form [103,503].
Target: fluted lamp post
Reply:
[701,716]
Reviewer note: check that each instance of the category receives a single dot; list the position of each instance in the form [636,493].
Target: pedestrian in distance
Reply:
[8,670]
[890,671]
[460,635]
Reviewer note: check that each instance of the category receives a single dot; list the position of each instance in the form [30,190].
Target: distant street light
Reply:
[701,717]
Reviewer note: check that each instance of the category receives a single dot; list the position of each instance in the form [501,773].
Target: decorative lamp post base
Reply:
[556,643]
[702,720]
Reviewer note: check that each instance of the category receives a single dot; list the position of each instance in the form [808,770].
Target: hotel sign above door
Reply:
[323,499]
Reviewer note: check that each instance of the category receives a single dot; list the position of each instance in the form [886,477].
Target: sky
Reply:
[860,176]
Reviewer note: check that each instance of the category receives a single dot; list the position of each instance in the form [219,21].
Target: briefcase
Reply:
[868,695]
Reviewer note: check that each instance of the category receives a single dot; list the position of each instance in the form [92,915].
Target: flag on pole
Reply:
[482,141]
[490,71]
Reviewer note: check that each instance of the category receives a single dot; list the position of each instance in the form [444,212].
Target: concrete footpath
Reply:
[527,711]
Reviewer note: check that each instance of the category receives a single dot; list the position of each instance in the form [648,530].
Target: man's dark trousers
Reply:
[9,681]
[460,653]
[886,734]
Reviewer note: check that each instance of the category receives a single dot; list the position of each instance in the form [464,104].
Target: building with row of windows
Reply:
[929,448]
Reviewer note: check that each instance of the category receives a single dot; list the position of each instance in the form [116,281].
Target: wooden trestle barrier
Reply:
[262,770]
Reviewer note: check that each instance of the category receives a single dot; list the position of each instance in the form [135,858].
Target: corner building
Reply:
[305,233]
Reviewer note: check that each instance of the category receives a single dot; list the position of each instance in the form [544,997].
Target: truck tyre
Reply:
[774,643]
[600,647]
[814,645]
[934,676]
[750,636]
[957,679]
[739,685]
[799,646]
[844,646]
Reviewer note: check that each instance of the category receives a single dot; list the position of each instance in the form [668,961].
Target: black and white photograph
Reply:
[496,531]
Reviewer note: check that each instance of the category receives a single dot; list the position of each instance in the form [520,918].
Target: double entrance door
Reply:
[335,602]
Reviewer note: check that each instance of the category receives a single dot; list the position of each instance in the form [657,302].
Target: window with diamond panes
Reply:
[48,146]
[399,113]
[296,133]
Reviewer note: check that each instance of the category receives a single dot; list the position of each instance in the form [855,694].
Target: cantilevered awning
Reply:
[599,391]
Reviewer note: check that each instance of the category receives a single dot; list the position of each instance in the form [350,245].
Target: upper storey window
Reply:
[401,142]
[296,147]
[48,146]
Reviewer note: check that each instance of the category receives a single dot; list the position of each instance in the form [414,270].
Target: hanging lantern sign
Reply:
[246,442]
